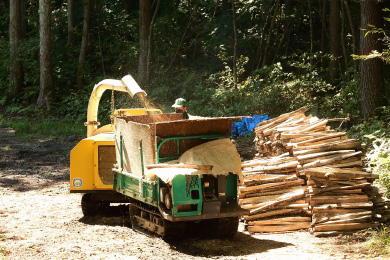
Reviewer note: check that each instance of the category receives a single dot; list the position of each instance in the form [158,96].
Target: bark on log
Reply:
[273,213]
[345,226]
[282,199]
[276,220]
[318,218]
[271,186]
[291,227]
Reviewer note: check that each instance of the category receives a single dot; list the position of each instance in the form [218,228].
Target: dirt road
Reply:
[40,219]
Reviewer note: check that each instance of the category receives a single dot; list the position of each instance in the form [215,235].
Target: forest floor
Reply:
[40,219]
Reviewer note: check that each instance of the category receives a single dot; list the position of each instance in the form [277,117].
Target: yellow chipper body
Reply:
[93,158]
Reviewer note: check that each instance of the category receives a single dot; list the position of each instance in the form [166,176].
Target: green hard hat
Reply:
[180,102]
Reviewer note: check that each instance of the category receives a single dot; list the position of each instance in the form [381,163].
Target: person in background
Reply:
[181,107]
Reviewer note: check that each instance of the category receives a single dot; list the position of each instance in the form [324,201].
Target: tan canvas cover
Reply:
[132,133]
[221,154]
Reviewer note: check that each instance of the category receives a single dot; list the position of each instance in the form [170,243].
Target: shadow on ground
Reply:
[112,216]
[26,166]
[199,239]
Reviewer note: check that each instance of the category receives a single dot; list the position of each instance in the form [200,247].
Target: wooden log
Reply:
[366,205]
[334,181]
[348,164]
[319,124]
[338,145]
[276,192]
[287,171]
[318,200]
[331,164]
[295,205]
[270,186]
[294,136]
[265,124]
[317,139]
[291,227]
[268,162]
[306,161]
[284,219]
[292,164]
[345,226]
[273,213]
[328,183]
[334,139]
[361,219]
[327,172]
[330,160]
[318,218]
[288,124]
[260,199]
[336,211]
[270,180]
[273,222]
[326,144]
[303,158]
[343,192]
[313,190]
[282,199]
[284,204]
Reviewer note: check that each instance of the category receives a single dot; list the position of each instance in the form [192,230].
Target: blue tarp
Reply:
[247,125]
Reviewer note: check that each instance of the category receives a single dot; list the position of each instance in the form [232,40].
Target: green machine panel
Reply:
[187,195]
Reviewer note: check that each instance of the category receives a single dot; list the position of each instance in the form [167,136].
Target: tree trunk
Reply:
[23,18]
[70,23]
[16,69]
[345,55]
[144,24]
[289,9]
[351,25]
[334,35]
[45,54]
[268,42]
[235,45]
[150,40]
[371,70]
[84,44]
[323,25]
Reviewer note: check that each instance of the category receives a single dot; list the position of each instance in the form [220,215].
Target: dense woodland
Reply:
[238,57]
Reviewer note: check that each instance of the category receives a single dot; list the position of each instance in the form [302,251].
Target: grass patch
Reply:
[44,128]
[379,243]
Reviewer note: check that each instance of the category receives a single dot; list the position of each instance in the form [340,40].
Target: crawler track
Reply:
[147,218]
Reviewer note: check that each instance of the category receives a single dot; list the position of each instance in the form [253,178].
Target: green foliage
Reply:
[379,243]
[289,84]
[44,127]
[375,134]
[379,160]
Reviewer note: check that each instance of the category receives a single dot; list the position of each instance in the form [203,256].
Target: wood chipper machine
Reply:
[171,171]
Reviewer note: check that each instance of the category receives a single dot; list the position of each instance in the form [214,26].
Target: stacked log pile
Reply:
[325,163]
[274,194]
[338,199]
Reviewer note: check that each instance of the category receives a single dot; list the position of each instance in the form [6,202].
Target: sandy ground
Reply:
[40,219]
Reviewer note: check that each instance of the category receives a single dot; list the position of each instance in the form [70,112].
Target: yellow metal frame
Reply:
[136,112]
[84,168]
